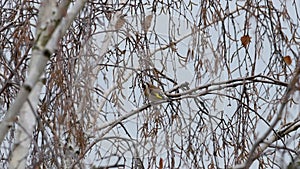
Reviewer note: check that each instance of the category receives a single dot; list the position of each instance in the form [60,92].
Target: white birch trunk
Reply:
[26,123]
[53,23]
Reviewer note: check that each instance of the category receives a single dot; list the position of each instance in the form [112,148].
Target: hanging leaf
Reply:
[120,22]
[287,59]
[246,39]
[147,22]
[161,163]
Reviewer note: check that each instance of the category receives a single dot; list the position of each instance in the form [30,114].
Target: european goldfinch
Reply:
[153,93]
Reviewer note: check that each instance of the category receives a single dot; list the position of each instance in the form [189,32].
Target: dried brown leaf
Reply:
[147,23]
[287,59]
[161,163]
[121,21]
[246,39]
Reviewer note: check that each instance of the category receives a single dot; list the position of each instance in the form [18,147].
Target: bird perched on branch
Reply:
[153,93]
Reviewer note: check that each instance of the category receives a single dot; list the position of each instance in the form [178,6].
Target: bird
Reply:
[153,93]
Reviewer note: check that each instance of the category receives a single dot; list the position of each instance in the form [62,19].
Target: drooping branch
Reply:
[263,142]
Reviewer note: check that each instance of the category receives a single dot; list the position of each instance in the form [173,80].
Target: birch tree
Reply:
[72,77]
